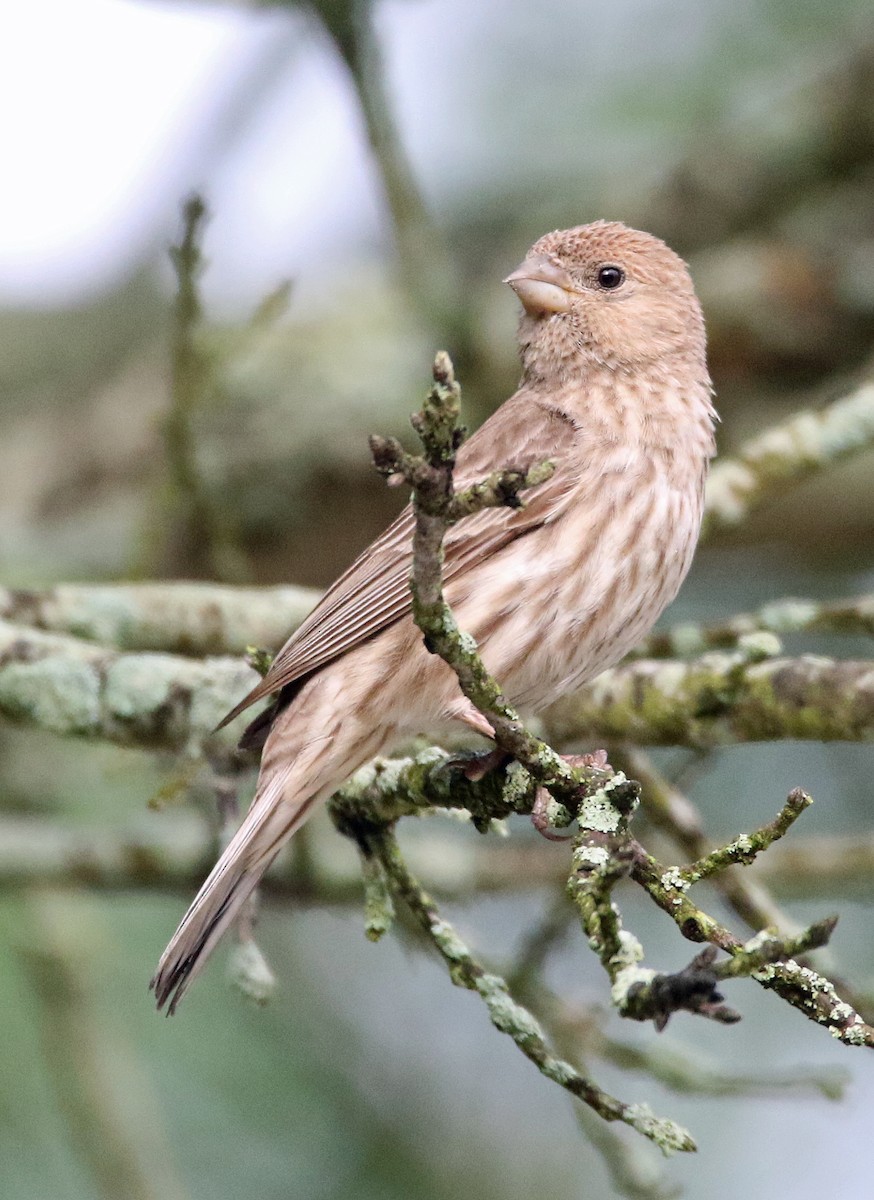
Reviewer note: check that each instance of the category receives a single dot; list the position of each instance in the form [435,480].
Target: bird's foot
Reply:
[479,764]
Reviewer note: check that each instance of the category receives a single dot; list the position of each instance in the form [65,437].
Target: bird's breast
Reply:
[571,598]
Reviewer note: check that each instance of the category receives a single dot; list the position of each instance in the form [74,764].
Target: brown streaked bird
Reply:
[615,391]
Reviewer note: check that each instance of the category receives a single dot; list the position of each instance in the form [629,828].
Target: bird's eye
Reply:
[610,277]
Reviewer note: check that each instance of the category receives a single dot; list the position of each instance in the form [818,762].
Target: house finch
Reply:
[615,391]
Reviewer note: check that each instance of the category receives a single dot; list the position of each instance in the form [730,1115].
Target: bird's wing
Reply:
[375,590]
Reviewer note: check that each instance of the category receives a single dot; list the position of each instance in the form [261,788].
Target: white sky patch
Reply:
[92,94]
[300,193]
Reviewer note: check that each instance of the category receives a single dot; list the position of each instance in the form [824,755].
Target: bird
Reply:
[615,392]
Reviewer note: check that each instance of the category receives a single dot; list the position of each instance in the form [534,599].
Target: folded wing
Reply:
[375,590]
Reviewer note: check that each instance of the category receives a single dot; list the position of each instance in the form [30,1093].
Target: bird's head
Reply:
[605,295]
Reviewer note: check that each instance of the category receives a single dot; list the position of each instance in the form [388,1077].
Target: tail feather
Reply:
[229,885]
[310,750]
[215,907]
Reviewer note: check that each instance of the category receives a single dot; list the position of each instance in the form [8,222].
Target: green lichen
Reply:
[505,1013]
[667,1135]
[598,811]
[56,693]
[139,684]
[451,945]
[518,786]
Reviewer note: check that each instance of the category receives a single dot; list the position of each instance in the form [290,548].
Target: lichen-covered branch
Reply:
[718,699]
[505,1013]
[670,811]
[165,701]
[190,618]
[157,701]
[388,789]
[604,855]
[853,616]
[803,988]
[808,442]
[748,846]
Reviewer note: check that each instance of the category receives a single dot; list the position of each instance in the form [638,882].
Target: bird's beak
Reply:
[542,286]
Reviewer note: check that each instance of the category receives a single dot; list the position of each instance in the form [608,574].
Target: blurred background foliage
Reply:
[391,163]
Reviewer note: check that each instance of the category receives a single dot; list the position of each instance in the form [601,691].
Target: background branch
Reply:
[164,701]
[805,444]
[189,618]
[155,701]
[853,617]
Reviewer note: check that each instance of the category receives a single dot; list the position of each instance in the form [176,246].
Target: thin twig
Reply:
[426,268]
[205,541]
[506,1014]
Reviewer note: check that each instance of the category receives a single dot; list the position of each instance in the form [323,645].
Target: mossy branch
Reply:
[761,630]
[807,443]
[164,701]
[506,1014]
[191,618]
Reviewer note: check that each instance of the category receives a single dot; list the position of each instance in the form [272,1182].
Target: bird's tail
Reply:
[312,747]
[271,820]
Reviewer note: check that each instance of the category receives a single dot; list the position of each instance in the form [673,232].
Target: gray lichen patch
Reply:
[506,1014]
[220,678]
[667,1135]
[673,880]
[518,788]
[598,810]
[139,684]
[56,693]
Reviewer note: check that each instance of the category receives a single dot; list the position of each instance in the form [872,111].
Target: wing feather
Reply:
[375,590]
